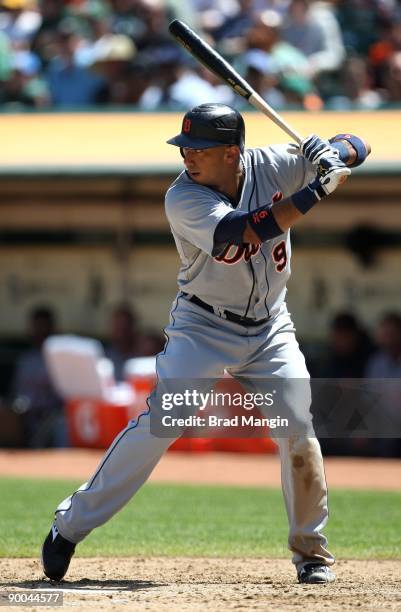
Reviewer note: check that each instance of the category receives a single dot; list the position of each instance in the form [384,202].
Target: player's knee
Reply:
[301,445]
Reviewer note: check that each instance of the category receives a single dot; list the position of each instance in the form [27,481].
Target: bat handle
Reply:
[257,101]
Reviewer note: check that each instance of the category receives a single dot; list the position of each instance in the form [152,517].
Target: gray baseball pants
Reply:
[202,345]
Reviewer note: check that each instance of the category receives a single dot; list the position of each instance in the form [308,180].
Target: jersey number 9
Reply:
[279,254]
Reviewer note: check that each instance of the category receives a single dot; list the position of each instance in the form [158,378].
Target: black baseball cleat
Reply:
[56,554]
[316,573]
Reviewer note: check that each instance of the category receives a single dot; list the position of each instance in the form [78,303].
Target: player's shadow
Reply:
[84,584]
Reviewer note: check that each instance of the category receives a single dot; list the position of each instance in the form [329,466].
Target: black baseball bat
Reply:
[209,57]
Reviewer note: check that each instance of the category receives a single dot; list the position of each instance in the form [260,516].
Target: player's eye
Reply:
[185,150]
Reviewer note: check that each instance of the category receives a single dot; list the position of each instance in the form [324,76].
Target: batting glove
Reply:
[331,173]
[314,148]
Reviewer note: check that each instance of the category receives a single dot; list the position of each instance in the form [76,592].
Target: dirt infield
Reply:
[191,585]
[206,468]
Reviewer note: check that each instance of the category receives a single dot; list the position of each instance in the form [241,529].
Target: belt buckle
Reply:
[220,312]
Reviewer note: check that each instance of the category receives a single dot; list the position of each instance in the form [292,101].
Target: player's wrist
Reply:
[352,150]
[307,197]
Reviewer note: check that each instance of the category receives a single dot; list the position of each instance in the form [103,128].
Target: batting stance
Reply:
[230,213]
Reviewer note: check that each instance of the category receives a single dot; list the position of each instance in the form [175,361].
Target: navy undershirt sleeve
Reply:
[231,228]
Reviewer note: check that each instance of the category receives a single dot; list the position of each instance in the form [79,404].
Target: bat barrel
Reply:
[205,54]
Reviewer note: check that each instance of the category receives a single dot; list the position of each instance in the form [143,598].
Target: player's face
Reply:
[205,166]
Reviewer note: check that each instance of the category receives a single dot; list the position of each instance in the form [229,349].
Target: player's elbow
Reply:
[230,229]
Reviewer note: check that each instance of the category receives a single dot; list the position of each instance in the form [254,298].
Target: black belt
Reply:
[231,316]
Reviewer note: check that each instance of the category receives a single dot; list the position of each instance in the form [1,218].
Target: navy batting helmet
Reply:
[211,125]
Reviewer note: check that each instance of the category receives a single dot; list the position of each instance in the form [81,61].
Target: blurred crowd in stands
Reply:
[312,54]
[350,352]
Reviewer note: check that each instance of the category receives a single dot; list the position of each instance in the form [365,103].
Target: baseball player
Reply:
[230,212]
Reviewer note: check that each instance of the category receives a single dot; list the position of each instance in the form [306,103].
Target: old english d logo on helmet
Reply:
[186,125]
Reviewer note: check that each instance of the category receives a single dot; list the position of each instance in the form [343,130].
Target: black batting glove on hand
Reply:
[331,173]
[314,148]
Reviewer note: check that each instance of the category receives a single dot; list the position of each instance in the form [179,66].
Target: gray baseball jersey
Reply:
[258,273]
